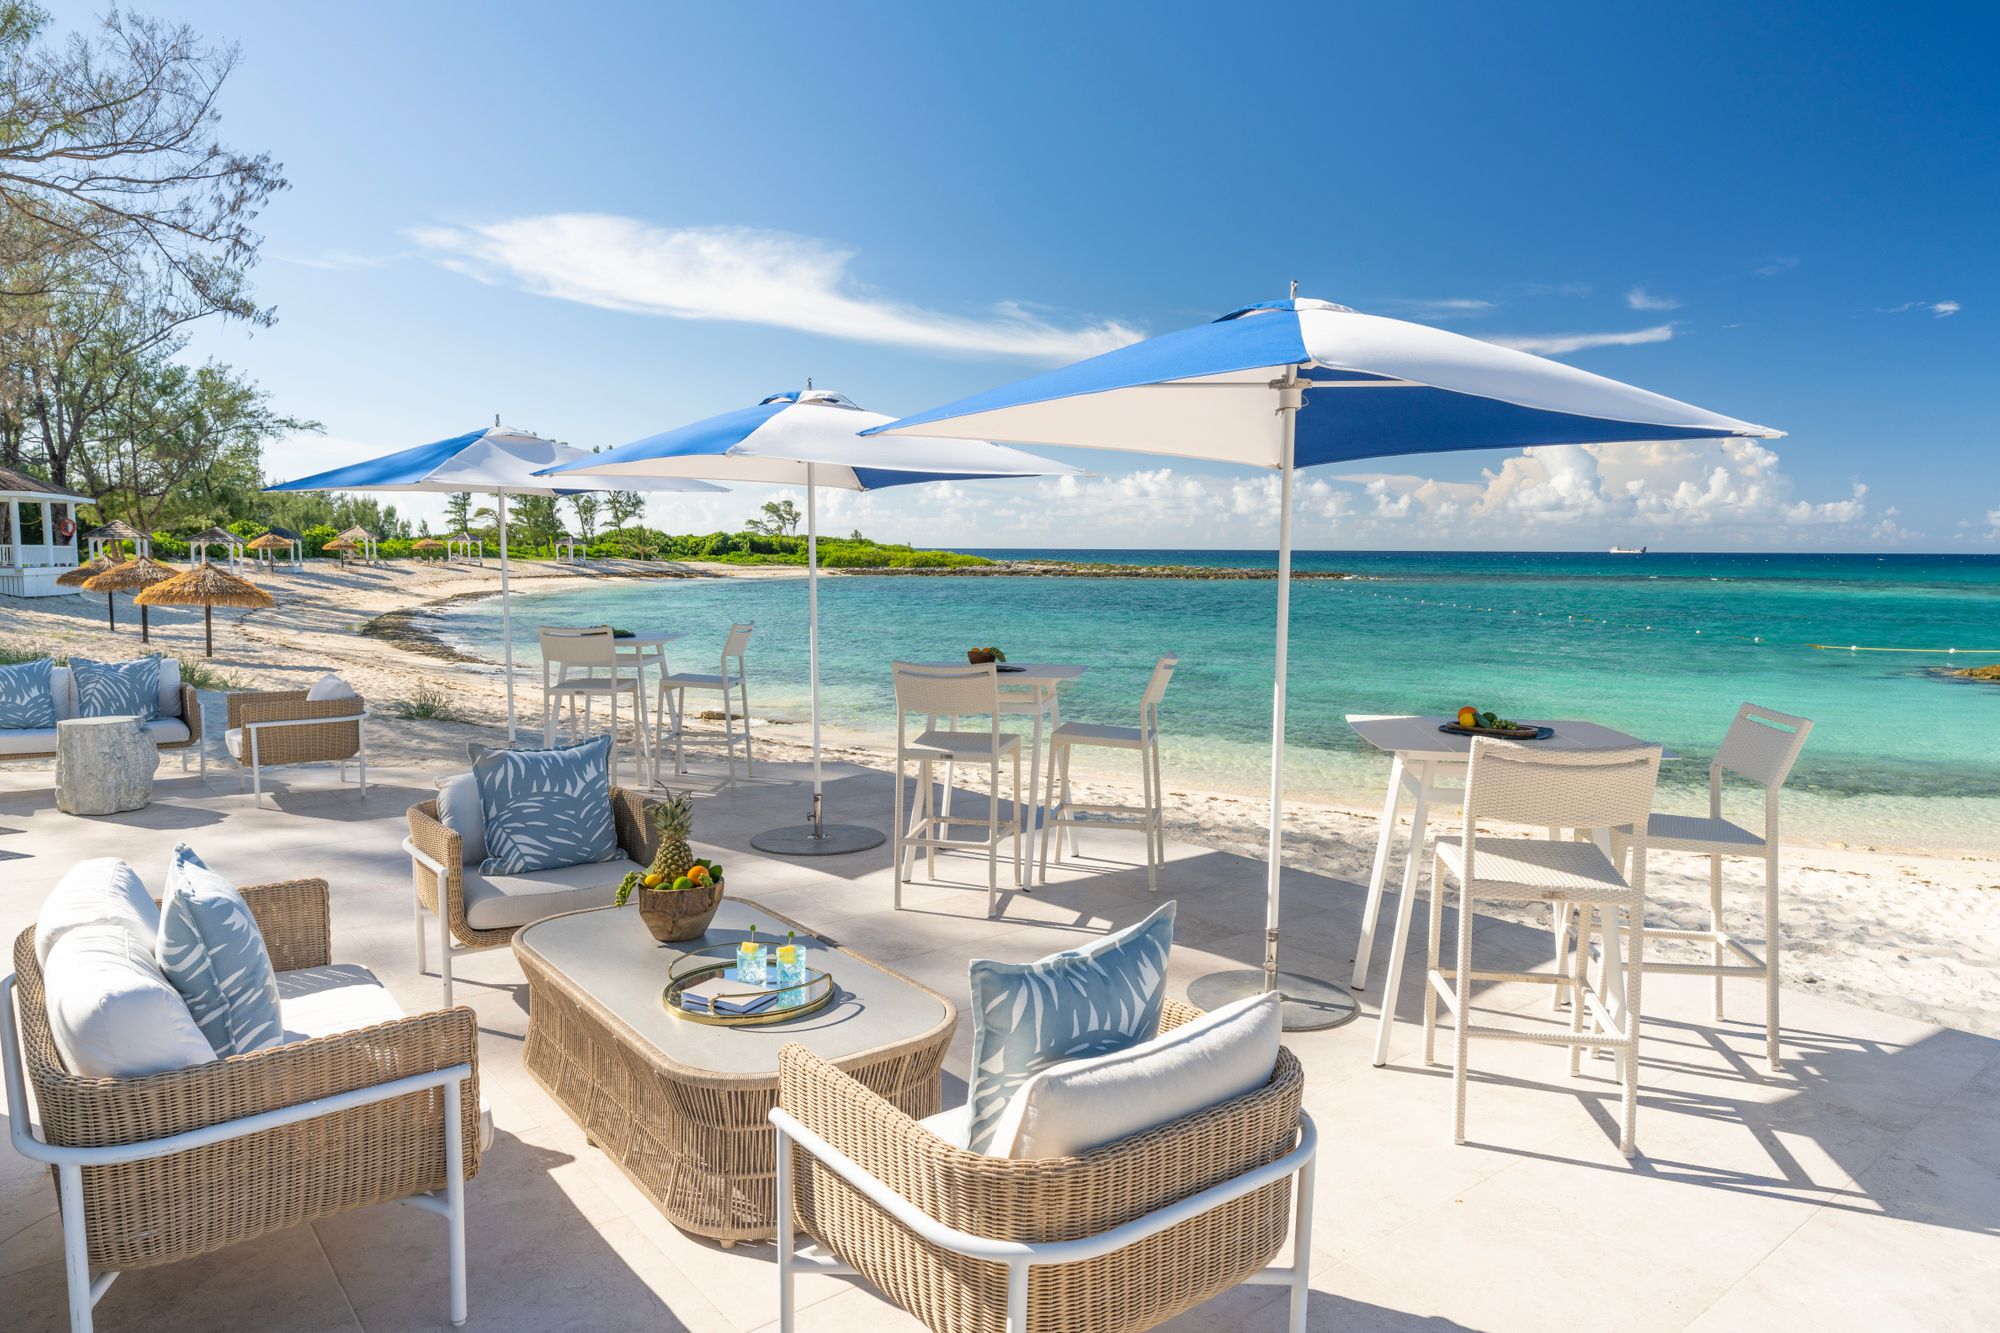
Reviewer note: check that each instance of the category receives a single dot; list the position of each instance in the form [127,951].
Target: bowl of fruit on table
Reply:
[679,892]
[1472,722]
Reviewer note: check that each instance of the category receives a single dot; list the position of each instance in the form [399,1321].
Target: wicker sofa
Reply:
[502,906]
[1121,1238]
[267,728]
[156,1169]
[178,726]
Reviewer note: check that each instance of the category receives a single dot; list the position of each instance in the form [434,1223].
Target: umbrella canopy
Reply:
[207,587]
[339,544]
[496,460]
[808,438]
[357,534]
[76,578]
[427,544]
[271,541]
[134,575]
[1294,383]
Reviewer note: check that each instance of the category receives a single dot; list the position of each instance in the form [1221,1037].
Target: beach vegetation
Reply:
[427,703]
[761,548]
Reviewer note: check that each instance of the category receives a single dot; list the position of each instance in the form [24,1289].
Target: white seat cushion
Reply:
[28,740]
[103,891]
[340,997]
[951,1126]
[496,902]
[1093,733]
[166,731]
[1533,870]
[232,741]
[941,742]
[1079,1105]
[112,1013]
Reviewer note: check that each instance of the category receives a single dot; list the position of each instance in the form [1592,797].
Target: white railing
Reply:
[37,556]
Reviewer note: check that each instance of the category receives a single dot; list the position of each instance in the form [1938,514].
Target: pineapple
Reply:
[674,818]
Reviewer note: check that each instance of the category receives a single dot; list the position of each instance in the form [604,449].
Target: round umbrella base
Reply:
[820,840]
[1310,1004]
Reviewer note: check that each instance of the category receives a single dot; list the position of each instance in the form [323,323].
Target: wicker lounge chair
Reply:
[161,1168]
[272,727]
[1121,1238]
[437,857]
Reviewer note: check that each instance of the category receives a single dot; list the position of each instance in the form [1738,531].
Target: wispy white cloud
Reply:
[1641,299]
[1441,309]
[1776,264]
[740,274]
[1573,289]
[1936,309]
[1559,344]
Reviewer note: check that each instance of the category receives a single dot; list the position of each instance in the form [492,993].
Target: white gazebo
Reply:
[566,547]
[463,546]
[364,542]
[37,535]
[231,544]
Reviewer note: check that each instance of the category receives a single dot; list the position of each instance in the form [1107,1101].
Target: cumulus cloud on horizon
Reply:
[740,274]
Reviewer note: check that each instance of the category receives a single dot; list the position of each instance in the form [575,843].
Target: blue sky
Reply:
[606,220]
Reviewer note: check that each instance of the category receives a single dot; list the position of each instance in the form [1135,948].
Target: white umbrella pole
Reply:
[506,620]
[812,625]
[1289,400]
[815,837]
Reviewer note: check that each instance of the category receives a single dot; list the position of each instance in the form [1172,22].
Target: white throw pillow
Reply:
[64,691]
[1084,1104]
[170,687]
[111,1013]
[100,891]
[329,687]
[460,811]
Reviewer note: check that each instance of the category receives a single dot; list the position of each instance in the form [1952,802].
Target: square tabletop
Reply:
[1417,738]
[620,970]
[1023,673]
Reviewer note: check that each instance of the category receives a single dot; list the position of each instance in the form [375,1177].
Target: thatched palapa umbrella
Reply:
[342,545]
[133,576]
[268,543]
[83,573]
[207,587]
[427,544]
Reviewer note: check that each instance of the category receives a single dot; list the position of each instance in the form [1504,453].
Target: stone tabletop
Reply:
[607,954]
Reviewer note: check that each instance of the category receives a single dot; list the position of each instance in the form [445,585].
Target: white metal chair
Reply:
[1517,783]
[952,692]
[731,678]
[1761,745]
[1145,740]
[568,652]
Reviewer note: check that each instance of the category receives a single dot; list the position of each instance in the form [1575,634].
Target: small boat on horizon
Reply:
[1628,550]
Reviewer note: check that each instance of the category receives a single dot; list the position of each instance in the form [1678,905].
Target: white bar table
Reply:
[1028,687]
[1430,764]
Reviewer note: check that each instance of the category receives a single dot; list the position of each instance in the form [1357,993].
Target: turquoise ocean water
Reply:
[1663,646]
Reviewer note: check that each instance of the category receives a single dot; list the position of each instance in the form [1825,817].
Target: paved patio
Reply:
[1859,1189]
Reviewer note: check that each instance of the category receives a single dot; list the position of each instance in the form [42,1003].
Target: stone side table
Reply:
[103,765]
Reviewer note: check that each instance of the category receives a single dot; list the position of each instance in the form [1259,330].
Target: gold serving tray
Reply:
[699,965]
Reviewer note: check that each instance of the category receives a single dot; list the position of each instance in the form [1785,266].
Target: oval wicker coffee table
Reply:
[681,1106]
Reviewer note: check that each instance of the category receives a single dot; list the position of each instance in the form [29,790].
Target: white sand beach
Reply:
[1908,933]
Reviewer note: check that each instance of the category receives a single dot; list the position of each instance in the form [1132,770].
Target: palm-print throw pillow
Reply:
[545,809]
[27,696]
[213,953]
[115,689]
[1027,1017]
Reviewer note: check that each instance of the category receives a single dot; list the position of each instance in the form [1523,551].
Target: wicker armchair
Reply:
[271,727]
[161,1168]
[437,858]
[1121,1238]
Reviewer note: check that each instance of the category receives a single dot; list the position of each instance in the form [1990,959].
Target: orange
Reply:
[1468,716]
[698,874]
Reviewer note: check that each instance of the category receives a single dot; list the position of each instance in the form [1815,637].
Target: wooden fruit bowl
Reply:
[674,917]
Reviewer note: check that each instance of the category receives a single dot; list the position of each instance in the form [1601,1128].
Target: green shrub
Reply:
[427,703]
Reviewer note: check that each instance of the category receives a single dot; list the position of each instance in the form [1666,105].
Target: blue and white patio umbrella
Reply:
[808,438]
[494,461]
[1295,383]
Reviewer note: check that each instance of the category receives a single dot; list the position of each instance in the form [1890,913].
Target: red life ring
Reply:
[65,528]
